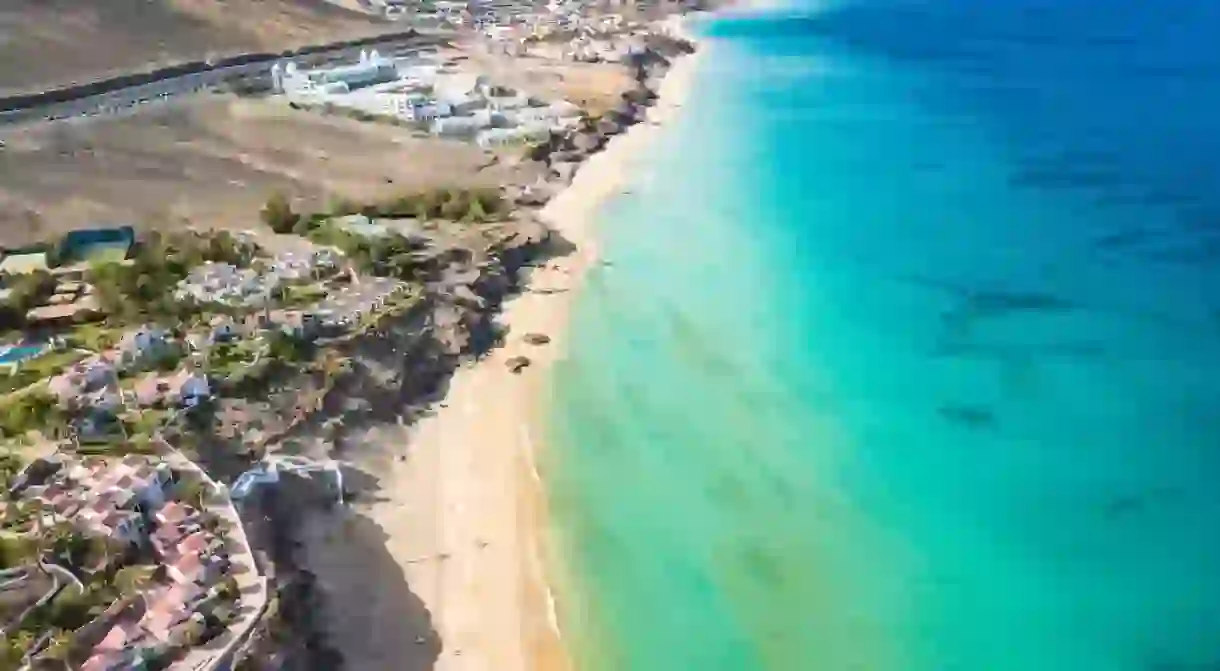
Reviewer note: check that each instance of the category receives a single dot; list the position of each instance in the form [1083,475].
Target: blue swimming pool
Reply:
[19,353]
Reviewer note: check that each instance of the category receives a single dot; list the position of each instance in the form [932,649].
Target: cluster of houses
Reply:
[434,96]
[100,498]
[91,386]
[227,284]
[175,612]
[346,308]
[569,35]
[131,503]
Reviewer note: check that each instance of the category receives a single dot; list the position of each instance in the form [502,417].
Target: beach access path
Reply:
[464,512]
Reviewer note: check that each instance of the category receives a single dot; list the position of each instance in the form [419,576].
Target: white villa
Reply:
[144,344]
[371,69]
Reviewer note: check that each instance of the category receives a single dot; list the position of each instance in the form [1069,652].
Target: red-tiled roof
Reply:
[189,566]
[173,513]
[194,544]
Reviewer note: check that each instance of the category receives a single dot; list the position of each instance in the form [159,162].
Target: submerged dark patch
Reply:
[969,416]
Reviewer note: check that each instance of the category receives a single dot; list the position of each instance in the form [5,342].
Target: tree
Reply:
[194,493]
[16,551]
[131,580]
[59,647]
[28,411]
[456,206]
[69,544]
[229,589]
[70,609]
[303,226]
[278,214]
[287,347]
[30,289]
[341,207]
[10,465]
[12,649]
[169,361]
[475,212]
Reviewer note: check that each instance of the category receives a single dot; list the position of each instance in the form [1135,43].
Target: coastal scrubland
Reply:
[51,43]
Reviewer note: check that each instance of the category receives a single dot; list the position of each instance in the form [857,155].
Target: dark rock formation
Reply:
[536,338]
[608,127]
[517,363]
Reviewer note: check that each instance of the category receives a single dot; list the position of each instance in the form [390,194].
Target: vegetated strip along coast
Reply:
[458,517]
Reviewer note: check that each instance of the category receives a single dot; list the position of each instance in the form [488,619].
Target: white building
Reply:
[502,103]
[416,110]
[457,125]
[372,69]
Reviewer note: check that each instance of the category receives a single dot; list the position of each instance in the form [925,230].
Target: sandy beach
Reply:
[463,513]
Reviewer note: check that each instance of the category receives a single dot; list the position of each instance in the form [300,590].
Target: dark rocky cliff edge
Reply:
[397,370]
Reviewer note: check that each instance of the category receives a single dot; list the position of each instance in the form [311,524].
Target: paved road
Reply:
[250,74]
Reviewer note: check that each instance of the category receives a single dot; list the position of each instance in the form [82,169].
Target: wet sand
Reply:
[463,515]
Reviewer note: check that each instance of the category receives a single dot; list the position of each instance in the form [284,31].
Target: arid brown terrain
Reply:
[46,43]
[213,162]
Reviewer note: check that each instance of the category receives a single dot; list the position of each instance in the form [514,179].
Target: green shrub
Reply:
[278,215]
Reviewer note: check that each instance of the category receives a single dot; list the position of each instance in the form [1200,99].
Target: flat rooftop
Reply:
[20,264]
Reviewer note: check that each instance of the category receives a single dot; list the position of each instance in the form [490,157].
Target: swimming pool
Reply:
[19,353]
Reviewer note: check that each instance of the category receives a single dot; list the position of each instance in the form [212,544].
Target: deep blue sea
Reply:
[907,357]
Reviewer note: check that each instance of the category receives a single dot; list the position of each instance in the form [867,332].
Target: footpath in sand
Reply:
[463,514]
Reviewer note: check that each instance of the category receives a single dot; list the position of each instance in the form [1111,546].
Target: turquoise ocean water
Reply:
[908,355]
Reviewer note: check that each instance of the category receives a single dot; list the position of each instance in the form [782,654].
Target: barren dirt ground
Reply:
[213,161]
[55,42]
[594,86]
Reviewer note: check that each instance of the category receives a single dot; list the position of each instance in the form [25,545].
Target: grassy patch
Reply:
[233,359]
[39,368]
[107,254]
[94,337]
[303,295]
[147,422]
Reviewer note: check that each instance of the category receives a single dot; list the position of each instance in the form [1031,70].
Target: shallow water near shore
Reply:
[906,355]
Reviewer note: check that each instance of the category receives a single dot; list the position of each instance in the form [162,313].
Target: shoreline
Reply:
[573,214]
[464,514]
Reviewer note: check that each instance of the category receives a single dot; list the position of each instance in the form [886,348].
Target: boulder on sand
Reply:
[536,338]
[517,363]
